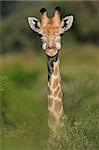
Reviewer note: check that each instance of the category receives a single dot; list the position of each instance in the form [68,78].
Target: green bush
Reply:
[80,135]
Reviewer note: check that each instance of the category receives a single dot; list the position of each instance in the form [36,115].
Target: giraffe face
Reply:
[51,38]
[50,30]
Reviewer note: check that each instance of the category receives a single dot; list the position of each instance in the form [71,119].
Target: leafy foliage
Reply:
[82,134]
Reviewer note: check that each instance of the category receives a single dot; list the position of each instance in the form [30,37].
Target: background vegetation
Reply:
[24,78]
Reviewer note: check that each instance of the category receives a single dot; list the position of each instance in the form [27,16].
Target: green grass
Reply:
[24,99]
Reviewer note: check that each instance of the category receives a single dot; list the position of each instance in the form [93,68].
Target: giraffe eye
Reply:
[61,34]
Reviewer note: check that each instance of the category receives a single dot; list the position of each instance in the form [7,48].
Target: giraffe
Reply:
[51,30]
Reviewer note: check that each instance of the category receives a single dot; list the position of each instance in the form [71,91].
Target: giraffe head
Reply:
[50,30]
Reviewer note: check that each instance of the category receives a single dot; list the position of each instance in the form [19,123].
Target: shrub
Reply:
[81,135]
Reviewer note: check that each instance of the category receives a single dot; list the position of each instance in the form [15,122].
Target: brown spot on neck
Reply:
[60,94]
[56,91]
[55,83]
[57,105]
[49,91]
[50,102]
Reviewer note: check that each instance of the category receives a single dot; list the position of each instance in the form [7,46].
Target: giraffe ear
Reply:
[34,24]
[67,23]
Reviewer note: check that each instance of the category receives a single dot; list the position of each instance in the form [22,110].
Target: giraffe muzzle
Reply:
[51,47]
[51,51]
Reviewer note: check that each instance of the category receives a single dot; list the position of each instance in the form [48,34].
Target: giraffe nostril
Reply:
[51,47]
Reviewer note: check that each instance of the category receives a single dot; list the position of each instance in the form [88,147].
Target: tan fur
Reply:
[51,28]
[57,105]
[50,102]
[55,83]
[56,91]
[56,71]
[52,117]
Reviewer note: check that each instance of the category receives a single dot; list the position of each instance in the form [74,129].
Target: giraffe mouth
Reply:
[51,52]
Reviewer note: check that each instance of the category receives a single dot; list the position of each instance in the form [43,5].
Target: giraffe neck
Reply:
[55,103]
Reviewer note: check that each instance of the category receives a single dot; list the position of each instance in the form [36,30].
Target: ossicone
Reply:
[42,10]
[58,9]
